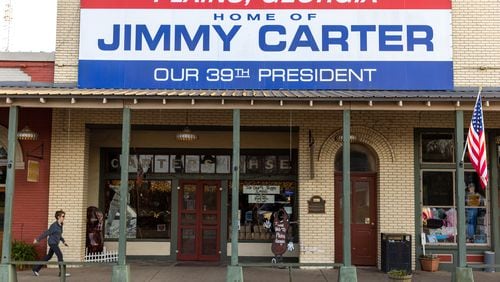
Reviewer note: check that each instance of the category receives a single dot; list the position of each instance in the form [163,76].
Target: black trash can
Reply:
[396,252]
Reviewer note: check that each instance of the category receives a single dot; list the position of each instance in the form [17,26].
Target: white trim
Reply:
[19,151]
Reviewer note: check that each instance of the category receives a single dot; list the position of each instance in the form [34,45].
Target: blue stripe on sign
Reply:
[266,75]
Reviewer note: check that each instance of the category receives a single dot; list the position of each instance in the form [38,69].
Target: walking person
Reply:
[55,235]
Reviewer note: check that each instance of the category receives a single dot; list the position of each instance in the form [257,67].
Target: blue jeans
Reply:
[53,249]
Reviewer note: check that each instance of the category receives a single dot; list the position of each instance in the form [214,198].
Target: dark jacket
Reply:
[55,234]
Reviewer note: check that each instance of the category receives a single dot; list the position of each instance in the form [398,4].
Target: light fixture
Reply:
[340,138]
[27,134]
[186,135]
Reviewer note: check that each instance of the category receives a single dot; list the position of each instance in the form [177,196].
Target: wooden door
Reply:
[199,221]
[363,219]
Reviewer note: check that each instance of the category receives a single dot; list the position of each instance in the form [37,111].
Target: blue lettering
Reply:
[127,37]
[226,38]
[143,32]
[264,46]
[426,40]
[255,17]
[182,33]
[327,40]
[114,44]
[272,38]
[363,34]
[308,42]
[218,17]
[384,38]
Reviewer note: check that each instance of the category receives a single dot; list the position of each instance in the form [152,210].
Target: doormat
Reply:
[198,263]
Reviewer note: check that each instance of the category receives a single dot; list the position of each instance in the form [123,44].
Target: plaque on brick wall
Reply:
[33,171]
[316,204]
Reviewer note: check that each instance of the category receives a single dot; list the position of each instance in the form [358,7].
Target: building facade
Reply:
[403,158]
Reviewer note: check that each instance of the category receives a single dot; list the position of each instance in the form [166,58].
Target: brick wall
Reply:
[476,41]
[38,71]
[68,190]
[67,41]
[31,198]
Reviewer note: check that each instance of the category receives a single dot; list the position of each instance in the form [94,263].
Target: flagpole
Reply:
[463,153]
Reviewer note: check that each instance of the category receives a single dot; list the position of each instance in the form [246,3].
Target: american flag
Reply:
[477,144]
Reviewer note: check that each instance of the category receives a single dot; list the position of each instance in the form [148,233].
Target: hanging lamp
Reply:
[186,135]
[27,134]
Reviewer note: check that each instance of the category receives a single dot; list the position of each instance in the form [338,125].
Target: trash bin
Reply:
[489,258]
[396,252]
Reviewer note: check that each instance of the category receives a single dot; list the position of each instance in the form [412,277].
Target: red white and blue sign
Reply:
[266,44]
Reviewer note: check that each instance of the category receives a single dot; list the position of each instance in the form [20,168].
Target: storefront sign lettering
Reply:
[261,199]
[266,44]
[205,164]
[261,189]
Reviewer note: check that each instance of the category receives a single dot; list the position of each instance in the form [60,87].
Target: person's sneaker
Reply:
[67,274]
[36,273]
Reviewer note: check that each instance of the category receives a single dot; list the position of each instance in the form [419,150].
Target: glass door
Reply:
[199,221]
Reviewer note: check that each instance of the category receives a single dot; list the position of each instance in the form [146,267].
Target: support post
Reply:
[495,224]
[347,271]
[121,272]
[234,271]
[462,273]
[8,271]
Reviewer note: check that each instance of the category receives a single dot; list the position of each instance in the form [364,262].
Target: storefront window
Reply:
[439,213]
[149,203]
[437,147]
[148,209]
[258,201]
[475,210]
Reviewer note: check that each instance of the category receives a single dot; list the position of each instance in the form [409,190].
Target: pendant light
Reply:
[27,134]
[186,135]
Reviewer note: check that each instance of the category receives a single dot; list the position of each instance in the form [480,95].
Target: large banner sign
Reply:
[266,44]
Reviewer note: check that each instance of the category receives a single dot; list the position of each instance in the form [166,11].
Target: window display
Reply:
[475,214]
[258,201]
[148,209]
[439,214]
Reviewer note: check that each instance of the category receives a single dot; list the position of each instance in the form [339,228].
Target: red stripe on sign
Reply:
[266,4]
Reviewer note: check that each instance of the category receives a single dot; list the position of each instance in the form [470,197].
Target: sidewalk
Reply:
[158,271]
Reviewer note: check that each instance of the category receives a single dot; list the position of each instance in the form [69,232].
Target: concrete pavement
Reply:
[156,271]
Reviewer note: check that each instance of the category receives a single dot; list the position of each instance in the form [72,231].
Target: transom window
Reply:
[362,159]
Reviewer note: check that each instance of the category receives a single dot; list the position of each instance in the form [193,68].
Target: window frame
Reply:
[448,167]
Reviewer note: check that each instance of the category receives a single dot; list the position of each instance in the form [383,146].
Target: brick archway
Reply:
[19,163]
[363,135]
